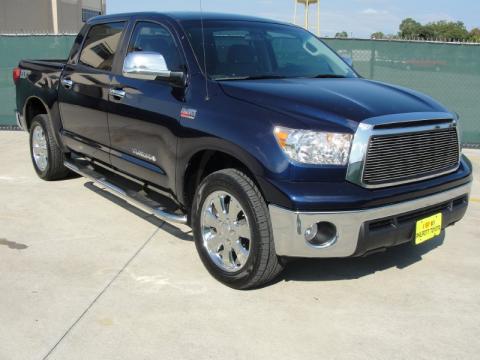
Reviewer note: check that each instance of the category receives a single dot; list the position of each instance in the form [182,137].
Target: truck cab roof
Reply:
[180,16]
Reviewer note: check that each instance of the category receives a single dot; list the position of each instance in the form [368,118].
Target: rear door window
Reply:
[101,45]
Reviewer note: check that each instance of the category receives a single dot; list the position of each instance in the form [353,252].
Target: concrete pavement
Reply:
[85,276]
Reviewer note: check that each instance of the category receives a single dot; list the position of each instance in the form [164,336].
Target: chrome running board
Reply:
[137,199]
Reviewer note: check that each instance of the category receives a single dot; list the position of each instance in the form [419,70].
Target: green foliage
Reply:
[342,35]
[377,35]
[438,30]
[409,28]
[474,35]
[446,30]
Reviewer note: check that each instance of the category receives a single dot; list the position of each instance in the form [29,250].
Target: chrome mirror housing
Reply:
[146,65]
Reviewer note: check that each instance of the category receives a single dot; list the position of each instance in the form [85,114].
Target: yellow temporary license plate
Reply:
[428,228]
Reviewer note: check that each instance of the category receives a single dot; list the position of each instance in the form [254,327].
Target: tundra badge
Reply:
[188,113]
[144,155]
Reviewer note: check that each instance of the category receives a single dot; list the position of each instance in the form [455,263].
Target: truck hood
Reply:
[345,102]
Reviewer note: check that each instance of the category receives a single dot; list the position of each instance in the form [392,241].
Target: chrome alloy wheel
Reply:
[39,148]
[225,231]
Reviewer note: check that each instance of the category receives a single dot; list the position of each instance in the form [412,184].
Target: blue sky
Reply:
[358,17]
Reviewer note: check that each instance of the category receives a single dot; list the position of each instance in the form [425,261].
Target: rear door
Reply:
[84,91]
[144,119]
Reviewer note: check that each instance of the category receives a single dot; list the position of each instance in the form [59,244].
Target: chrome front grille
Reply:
[409,156]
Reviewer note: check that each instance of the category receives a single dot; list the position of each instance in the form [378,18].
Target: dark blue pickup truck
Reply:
[253,132]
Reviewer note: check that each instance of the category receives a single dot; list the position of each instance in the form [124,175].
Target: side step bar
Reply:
[136,199]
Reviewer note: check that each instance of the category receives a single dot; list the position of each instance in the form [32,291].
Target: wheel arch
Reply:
[34,106]
[205,161]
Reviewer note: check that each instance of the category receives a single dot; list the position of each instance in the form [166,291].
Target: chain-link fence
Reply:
[448,72]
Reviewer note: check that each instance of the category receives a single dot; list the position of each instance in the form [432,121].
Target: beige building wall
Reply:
[25,16]
[36,16]
[70,13]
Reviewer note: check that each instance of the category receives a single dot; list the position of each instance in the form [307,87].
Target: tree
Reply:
[441,30]
[342,35]
[377,35]
[410,29]
[446,30]
[474,35]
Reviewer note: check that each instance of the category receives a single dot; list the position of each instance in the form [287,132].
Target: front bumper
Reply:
[362,231]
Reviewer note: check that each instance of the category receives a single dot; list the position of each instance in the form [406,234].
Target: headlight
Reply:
[312,147]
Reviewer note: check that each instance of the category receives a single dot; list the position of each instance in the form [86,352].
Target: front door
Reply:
[84,91]
[144,115]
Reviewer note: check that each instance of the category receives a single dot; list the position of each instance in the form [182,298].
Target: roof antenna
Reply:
[207,96]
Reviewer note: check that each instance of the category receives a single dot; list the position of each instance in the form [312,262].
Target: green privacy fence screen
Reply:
[15,48]
[448,72]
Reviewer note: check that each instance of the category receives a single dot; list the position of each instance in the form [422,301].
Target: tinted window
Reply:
[155,38]
[101,45]
[77,45]
[237,50]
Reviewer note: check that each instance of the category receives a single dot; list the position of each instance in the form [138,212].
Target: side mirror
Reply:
[348,60]
[146,65]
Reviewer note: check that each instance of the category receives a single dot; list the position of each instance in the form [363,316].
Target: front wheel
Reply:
[232,230]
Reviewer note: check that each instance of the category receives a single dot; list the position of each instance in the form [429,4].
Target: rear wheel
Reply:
[232,230]
[47,157]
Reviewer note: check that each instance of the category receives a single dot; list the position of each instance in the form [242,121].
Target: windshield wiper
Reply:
[253,77]
[329,76]
[266,77]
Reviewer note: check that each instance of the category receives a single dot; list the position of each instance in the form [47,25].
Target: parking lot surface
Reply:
[84,275]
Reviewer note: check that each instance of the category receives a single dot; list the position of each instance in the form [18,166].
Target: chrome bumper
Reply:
[289,226]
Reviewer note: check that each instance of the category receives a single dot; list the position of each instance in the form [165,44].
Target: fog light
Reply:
[311,232]
[322,234]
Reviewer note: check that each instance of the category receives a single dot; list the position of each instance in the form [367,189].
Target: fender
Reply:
[53,113]
[211,145]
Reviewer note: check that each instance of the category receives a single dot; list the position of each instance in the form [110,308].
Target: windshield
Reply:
[238,50]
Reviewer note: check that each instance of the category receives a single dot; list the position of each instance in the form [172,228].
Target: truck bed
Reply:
[42,65]
[39,78]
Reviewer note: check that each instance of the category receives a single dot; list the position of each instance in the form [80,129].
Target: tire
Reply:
[261,265]
[42,143]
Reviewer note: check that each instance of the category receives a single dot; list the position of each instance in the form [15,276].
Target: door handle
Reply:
[118,94]
[67,83]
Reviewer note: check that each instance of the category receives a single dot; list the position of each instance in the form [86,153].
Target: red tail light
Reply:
[16,74]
